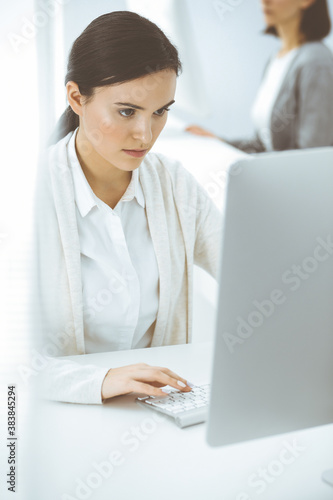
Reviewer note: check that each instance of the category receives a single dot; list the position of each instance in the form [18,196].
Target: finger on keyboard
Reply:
[174,375]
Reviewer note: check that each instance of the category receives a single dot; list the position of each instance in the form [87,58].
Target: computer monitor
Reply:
[273,353]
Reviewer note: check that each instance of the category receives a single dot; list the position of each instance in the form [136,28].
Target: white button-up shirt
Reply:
[268,92]
[119,268]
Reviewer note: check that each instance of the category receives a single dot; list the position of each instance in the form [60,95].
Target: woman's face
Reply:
[279,12]
[122,122]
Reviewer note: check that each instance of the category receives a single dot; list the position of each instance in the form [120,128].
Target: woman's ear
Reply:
[74,97]
[305,4]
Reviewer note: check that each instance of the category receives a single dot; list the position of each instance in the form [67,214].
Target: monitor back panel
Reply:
[273,355]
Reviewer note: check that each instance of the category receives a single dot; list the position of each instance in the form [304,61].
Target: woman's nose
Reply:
[143,131]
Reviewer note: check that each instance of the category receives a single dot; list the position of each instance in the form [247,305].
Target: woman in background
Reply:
[294,105]
[119,229]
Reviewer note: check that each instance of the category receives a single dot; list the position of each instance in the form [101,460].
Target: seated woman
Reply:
[119,229]
[294,105]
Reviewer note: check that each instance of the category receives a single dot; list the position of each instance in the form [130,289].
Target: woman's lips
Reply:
[137,153]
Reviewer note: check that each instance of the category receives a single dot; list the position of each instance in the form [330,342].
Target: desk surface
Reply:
[122,451]
[207,159]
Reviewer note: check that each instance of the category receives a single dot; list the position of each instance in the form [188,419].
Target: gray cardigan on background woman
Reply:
[302,116]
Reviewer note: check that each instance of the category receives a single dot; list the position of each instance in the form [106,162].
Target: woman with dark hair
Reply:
[294,105]
[119,228]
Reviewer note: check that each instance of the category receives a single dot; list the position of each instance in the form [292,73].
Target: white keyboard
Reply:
[187,408]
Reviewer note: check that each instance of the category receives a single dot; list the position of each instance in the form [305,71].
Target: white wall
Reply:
[232,51]
[19,150]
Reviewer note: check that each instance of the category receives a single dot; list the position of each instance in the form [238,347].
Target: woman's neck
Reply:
[108,182]
[290,35]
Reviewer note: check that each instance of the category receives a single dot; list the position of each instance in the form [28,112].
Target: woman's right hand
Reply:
[195,129]
[141,378]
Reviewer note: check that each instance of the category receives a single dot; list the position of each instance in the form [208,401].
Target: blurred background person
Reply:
[293,108]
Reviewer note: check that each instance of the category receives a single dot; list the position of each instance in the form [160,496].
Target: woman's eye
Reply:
[126,112]
[160,112]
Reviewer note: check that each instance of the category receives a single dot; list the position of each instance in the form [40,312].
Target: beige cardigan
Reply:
[185,228]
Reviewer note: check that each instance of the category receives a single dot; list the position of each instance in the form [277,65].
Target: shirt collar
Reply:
[85,198]
[134,190]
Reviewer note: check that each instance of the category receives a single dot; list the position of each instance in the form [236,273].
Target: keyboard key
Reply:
[187,408]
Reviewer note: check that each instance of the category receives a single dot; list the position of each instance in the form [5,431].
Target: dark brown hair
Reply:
[114,48]
[315,23]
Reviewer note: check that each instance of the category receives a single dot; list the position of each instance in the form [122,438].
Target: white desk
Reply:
[159,460]
[207,159]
